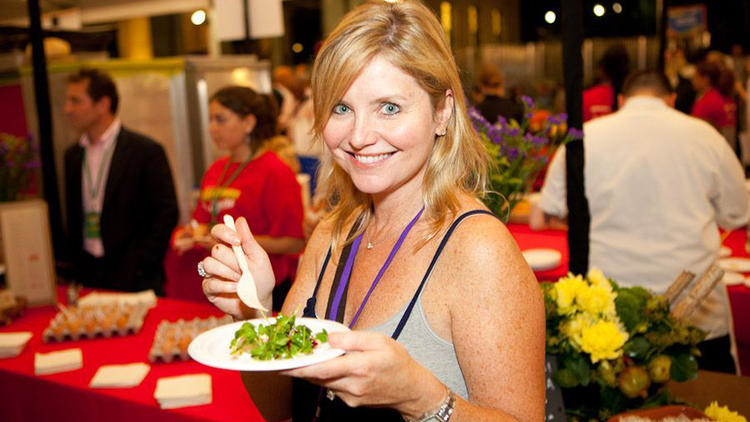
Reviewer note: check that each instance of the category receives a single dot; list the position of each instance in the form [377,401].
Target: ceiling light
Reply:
[198,17]
[599,10]
[550,17]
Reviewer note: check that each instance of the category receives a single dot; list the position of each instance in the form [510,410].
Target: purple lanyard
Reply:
[346,274]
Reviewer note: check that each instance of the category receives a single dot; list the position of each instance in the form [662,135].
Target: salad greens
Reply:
[280,340]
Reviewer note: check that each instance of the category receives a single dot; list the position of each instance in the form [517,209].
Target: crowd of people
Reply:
[454,329]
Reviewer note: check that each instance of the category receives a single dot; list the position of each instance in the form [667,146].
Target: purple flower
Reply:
[513,153]
[527,101]
[513,131]
[539,140]
[529,115]
[495,134]
[575,133]
[554,119]
[502,121]
[32,165]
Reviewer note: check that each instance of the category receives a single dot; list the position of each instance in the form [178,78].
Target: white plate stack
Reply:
[183,391]
[542,259]
[12,344]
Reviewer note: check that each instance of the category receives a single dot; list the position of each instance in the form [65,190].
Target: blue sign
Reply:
[687,19]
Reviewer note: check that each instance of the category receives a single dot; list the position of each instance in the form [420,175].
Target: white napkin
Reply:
[11,344]
[146,297]
[60,361]
[184,390]
[128,375]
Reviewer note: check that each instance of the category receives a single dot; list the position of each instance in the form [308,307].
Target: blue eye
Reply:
[390,108]
[340,109]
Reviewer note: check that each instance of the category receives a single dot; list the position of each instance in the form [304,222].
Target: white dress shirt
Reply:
[658,182]
[97,154]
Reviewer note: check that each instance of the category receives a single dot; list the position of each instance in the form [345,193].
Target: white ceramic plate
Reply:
[735,264]
[212,347]
[542,259]
[732,278]
[725,252]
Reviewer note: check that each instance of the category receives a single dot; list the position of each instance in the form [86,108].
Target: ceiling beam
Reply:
[123,11]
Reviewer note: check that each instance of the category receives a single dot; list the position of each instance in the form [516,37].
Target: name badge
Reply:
[91,228]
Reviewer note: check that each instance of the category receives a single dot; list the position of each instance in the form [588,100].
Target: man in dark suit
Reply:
[120,197]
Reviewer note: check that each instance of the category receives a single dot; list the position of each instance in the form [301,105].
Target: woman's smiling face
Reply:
[382,131]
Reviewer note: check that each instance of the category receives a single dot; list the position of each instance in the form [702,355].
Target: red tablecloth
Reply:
[739,300]
[67,397]
[739,296]
[552,239]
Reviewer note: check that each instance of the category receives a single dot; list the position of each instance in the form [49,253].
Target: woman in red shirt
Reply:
[251,182]
[714,103]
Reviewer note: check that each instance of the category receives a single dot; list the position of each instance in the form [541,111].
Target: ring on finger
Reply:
[202,271]
[330,395]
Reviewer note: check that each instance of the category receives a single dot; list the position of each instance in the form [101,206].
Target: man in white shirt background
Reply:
[120,198]
[658,183]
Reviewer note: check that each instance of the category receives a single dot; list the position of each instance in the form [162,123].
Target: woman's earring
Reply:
[441,134]
[248,137]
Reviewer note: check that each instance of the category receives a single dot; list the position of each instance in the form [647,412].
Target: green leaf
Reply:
[565,378]
[630,304]
[684,367]
[579,365]
[637,348]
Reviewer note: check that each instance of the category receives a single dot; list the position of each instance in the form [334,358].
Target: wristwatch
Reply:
[442,414]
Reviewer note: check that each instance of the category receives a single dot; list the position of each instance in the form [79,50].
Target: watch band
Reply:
[442,414]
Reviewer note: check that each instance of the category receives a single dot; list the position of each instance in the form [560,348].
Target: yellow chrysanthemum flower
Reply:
[723,414]
[597,300]
[573,328]
[567,289]
[598,279]
[603,340]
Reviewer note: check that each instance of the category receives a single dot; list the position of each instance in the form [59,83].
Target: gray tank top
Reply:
[426,347]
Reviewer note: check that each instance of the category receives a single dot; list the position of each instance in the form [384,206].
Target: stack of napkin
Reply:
[182,391]
[60,361]
[146,297]
[114,376]
[11,344]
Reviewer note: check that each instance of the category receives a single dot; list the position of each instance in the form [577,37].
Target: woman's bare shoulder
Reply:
[483,249]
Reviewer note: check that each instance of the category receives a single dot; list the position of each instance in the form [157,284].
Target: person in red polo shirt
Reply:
[714,102]
[600,100]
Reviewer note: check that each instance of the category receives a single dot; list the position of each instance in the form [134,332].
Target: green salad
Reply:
[281,339]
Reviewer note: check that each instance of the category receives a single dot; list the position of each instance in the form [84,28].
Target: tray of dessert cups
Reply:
[92,321]
[172,338]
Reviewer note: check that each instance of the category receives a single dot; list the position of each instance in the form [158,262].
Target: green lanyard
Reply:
[94,187]
[220,186]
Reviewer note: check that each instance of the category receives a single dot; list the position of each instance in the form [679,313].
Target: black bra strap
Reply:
[448,234]
[322,270]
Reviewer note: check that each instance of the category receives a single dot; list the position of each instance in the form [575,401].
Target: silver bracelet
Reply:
[442,414]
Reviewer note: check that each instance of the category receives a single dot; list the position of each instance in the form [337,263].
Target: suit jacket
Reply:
[494,106]
[138,214]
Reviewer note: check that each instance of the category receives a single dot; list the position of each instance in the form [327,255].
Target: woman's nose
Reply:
[362,133]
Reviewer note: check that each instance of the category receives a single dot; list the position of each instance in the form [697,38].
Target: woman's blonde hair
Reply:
[409,36]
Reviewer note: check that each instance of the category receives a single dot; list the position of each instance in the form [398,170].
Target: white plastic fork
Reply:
[246,290]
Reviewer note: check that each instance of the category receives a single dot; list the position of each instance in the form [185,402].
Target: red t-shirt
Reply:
[597,101]
[267,194]
[715,109]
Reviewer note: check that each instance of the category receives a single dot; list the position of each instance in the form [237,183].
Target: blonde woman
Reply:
[447,318]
